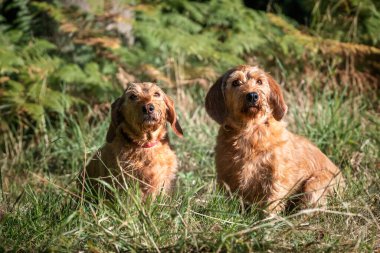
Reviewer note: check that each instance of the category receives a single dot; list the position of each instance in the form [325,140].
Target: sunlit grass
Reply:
[42,210]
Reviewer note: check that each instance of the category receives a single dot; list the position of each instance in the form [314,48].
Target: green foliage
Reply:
[353,20]
[27,93]
[24,16]
[53,56]
[38,81]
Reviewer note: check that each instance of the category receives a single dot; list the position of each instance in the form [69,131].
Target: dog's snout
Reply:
[252,97]
[148,109]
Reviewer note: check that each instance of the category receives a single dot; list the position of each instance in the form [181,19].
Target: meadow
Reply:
[333,100]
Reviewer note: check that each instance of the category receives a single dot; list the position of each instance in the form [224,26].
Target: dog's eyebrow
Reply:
[134,88]
[255,75]
[235,75]
[147,87]
[253,72]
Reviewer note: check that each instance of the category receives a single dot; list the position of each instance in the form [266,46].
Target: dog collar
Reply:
[149,144]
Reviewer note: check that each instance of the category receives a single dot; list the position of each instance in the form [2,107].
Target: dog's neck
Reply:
[129,140]
[248,127]
[145,140]
[259,135]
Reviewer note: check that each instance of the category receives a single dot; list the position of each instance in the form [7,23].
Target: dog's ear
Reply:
[215,105]
[277,101]
[172,116]
[116,119]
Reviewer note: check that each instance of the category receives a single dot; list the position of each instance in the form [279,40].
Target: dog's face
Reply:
[143,108]
[243,94]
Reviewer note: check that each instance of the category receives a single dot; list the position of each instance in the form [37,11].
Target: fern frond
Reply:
[327,46]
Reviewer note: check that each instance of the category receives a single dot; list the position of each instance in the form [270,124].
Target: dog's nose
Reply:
[148,109]
[252,97]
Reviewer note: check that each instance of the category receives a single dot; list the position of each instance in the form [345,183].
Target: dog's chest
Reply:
[152,166]
[244,167]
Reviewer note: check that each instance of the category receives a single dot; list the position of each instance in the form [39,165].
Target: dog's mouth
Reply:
[150,120]
[251,109]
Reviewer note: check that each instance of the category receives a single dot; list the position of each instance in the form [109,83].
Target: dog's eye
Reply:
[132,97]
[259,82]
[157,94]
[236,83]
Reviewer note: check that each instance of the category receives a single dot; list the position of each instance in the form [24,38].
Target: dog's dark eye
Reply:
[157,94]
[132,97]
[236,83]
[259,82]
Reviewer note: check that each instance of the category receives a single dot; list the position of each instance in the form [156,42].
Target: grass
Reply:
[39,210]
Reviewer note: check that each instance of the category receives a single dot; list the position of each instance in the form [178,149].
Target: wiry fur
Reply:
[256,156]
[126,156]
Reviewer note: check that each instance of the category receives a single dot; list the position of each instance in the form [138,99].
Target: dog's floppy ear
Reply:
[172,116]
[277,101]
[215,105]
[116,119]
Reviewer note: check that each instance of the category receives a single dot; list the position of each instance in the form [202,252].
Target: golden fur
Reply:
[137,146]
[256,156]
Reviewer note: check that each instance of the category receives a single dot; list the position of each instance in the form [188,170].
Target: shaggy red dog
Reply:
[137,145]
[255,155]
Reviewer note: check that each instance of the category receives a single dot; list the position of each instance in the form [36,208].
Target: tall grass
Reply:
[40,209]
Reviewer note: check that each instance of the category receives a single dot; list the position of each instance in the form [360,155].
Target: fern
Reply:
[356,21]
[73,58]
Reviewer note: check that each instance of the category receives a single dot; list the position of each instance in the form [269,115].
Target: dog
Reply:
[137,146]
[255,155]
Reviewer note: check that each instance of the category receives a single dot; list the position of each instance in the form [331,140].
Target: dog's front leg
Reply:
[278,198]
[276,203]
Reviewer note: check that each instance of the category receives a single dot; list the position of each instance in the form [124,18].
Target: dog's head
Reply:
[143,108]
[245,93]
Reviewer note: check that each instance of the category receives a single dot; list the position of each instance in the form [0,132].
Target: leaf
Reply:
[35,111]
[70,73]
[56,101]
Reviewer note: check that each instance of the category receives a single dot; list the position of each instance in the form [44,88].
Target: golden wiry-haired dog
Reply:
[137,145]
[255,155]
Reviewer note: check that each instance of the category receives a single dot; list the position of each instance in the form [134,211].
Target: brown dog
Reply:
[255,155]
[137,145]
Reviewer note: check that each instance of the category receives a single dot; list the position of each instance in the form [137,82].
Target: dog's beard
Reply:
[251,110]
[151,122]
[256,113]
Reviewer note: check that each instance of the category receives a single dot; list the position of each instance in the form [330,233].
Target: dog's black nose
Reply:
[147,109]
[252,97]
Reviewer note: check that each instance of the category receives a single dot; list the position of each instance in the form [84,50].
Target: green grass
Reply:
[39,210]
